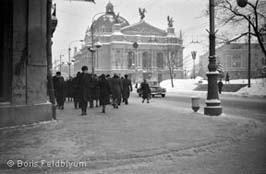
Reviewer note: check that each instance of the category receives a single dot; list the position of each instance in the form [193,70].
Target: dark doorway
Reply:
[6,37]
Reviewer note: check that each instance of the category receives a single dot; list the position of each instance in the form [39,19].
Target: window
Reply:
[159,60]
[131,60]
[236,61]
[146,60]
[236,46]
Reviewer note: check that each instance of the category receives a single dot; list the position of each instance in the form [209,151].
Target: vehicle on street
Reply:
[156,90]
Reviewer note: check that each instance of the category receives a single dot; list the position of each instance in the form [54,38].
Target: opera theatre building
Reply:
[113,45]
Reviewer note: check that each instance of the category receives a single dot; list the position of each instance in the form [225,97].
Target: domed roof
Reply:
[105,22]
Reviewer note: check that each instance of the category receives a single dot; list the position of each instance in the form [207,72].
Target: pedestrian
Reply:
[104,89]
[59,88]
[92,89]
[116,90]
[227,78]
[127,88]
[84,87]
[146,91]
[76,91]
[220,86]
[69,89]
[108,78]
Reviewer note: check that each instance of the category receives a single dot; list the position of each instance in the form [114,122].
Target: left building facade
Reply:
[26,31]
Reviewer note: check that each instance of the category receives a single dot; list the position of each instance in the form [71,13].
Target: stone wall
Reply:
[29,101]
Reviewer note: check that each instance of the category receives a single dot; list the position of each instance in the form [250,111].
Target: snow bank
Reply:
[258,88]
[179,85]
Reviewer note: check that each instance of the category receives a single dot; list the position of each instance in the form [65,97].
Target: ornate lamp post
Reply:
[60,65]
[213,104]
[135,46]
[92,49]
[242,3]
[194,53]
[98,45]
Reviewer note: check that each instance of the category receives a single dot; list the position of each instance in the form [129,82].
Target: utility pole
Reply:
[69,64]
[249,52]
[60,65]
[194,53]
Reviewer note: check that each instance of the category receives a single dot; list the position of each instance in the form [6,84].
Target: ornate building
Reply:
[234,59]
[155,50]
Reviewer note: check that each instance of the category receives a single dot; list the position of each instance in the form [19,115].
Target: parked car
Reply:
[155,89]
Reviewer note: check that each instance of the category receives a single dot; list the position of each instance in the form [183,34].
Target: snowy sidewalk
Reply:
[132,134]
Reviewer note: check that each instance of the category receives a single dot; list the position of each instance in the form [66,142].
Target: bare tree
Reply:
[229,13]
[172,64]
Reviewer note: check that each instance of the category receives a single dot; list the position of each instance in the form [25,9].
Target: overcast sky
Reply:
[74,17]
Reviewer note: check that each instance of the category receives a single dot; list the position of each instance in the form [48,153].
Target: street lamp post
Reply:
[92,49]
[60,65]
[69,51]
[194,53]
[213,104]
[135,46]
[98,45]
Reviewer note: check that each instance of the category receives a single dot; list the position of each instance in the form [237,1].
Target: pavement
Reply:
[159,137]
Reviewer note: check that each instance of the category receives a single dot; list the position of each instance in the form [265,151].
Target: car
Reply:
[155,89]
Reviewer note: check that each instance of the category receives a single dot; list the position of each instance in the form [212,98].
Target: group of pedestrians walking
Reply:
[88,88]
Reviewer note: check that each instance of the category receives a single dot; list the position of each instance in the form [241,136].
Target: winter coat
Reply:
[84,86]
[104,90]
[59,87]
[75,86]
[95,89]
[145,88]
[116,87]
[127,87]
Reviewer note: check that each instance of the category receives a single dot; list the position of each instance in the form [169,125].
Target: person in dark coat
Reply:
[116,90]
[76,91]
[104,89]
[92,90]
[84,86]
[95,90]
[127,88]
[220,86]
[227,78]
[59,88]
[108,78]
[69,89]
[146,91]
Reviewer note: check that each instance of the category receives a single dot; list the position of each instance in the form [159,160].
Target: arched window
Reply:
[146,60]
[131,60]
[159,60]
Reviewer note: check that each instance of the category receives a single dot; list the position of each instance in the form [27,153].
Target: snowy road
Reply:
[251,107]
[161,137]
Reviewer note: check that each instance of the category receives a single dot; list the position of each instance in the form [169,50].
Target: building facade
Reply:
[156,49]
[26,29]
[234,59]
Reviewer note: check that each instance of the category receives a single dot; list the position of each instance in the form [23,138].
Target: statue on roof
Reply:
[170,21]
[142,12]
[116,18]
[109,8]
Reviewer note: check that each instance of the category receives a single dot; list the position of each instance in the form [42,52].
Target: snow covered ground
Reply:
[258,86]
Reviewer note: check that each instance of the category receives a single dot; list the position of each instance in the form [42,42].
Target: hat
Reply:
[84,68]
